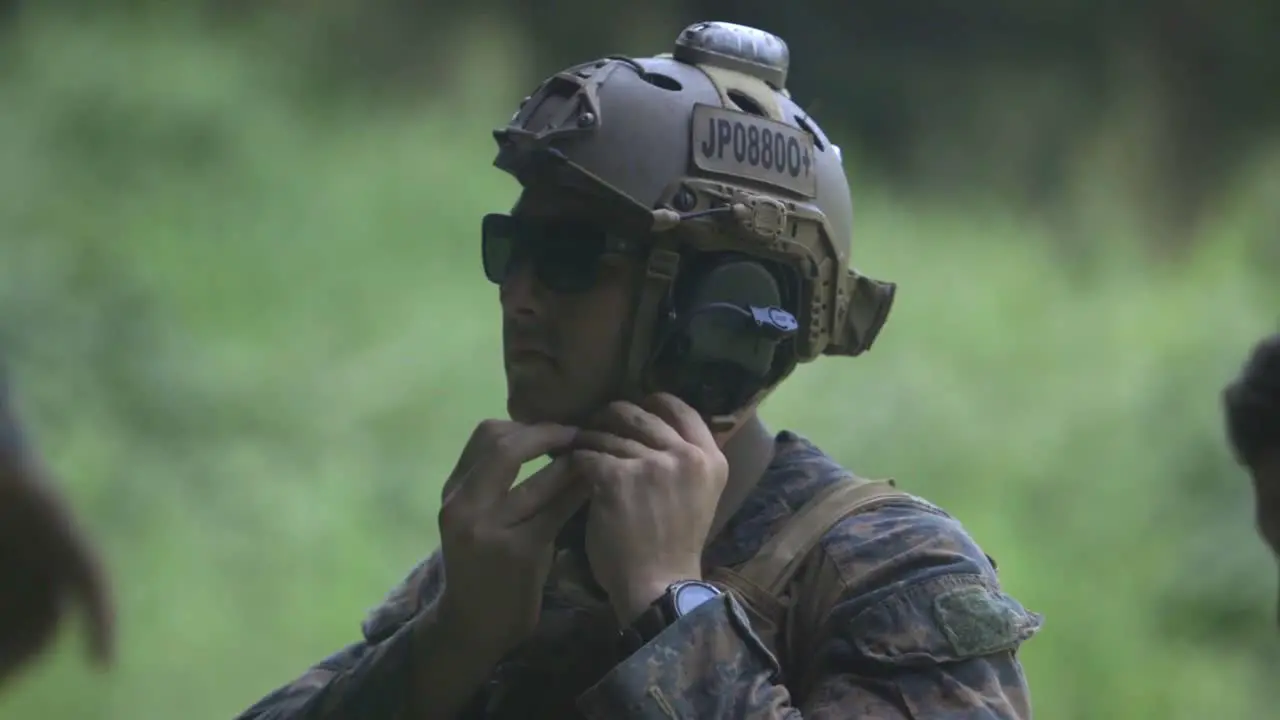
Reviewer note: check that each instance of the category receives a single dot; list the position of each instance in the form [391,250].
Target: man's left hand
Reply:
[657,476]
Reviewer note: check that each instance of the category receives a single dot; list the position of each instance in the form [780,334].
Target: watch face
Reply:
[690,595]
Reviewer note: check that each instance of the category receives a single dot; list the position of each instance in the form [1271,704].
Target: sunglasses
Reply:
[564,255]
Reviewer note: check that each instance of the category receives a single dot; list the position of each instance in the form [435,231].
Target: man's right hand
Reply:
[497,541]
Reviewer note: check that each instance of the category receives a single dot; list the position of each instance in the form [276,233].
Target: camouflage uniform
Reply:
[916,626]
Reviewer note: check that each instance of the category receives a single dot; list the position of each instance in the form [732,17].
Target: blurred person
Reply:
[680,244]
[1252,408]
[46,565]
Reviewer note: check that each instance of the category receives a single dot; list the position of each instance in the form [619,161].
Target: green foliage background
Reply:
[249,328]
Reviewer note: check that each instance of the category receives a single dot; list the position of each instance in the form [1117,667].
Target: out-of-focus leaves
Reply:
[249,326]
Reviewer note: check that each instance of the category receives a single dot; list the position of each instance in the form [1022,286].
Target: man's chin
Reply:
[518,411]
[527,408]
[549,401]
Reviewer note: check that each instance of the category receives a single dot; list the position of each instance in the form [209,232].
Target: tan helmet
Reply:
[703,151]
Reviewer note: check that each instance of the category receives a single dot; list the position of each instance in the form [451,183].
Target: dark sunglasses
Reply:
[563,254]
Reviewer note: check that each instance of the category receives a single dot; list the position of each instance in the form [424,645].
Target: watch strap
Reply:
[660,614]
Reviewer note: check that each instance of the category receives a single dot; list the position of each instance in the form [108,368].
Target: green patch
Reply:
[977,621]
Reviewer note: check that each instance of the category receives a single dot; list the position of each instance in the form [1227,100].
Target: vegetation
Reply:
[250,329]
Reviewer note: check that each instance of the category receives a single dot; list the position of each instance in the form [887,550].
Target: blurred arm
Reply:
[46,564]
[1252,408]
[920,631]
[407,668]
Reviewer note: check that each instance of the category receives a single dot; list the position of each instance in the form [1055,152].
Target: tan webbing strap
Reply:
[772,568]
[660,273]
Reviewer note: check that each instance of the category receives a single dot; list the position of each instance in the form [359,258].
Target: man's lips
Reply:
[521,354]
[525,344]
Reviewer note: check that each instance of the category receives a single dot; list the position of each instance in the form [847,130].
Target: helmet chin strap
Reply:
[724,427]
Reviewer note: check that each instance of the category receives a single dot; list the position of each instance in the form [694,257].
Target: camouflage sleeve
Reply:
[369,680]
[918,628]
[361,681]
[709,664]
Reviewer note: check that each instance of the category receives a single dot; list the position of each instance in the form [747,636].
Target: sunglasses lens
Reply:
[566,272]
[565,255]
[497,246]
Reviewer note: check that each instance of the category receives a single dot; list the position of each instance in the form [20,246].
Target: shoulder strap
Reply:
[772,568]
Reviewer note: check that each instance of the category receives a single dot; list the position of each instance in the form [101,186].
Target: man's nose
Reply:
[521,295]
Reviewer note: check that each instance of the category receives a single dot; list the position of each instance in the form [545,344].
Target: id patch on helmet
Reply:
[728,142]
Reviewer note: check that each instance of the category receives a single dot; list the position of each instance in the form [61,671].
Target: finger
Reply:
[545,525]
[684,420]
[631,421]
[611,444]
[496,469]
[594,468]
[482,439]
[528,498]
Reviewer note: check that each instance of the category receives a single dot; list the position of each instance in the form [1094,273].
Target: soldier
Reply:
[1252,408]
[680,244]
[45,564]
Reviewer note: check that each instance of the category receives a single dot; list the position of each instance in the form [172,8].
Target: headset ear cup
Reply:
[707,355]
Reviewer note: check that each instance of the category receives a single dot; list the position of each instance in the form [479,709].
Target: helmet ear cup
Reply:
[711,352]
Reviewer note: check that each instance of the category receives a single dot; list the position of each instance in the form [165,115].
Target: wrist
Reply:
[485,641]
[443,681]
[640,596]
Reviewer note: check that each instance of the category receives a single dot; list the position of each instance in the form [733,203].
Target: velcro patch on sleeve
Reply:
[945,619]
[978,621]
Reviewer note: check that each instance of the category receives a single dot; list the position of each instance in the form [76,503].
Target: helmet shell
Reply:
[705,148]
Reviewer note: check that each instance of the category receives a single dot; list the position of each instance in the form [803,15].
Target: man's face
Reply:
[563,348]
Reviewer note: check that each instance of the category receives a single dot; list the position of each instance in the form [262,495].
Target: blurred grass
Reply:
[252,333]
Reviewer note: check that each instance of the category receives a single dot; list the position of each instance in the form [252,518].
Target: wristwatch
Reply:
[679,600]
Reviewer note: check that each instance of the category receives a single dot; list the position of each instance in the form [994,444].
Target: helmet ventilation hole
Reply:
[745,103]
[665,82]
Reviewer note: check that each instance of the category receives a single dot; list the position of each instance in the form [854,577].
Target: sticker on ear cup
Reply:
[728,142]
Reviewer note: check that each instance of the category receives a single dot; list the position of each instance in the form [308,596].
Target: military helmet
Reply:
[702,152]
